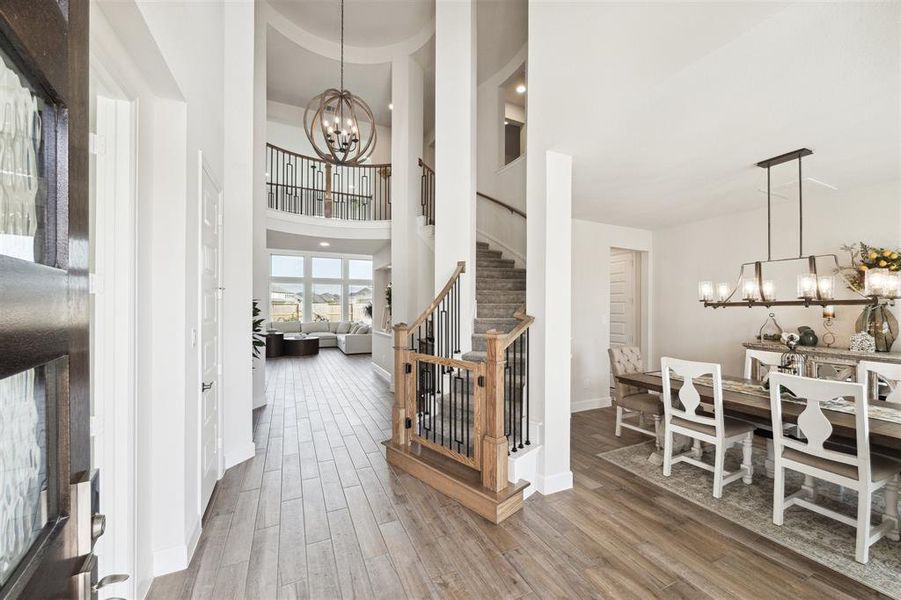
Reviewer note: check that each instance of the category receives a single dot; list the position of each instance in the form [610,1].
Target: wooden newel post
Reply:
[494,442]
[401,378]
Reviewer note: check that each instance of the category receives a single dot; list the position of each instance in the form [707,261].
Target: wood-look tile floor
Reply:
[318,513]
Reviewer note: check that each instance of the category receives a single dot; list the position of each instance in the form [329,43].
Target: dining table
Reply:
[746,399]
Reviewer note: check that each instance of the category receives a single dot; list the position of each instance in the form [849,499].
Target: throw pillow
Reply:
[343,327]
[354,328]
[363,329]
[314,326]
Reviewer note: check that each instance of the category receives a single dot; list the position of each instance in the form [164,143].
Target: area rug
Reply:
[819,538]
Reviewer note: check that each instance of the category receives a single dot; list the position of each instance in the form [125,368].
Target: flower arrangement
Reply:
[864,258]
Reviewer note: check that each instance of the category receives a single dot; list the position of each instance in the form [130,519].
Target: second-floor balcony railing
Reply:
[304,185]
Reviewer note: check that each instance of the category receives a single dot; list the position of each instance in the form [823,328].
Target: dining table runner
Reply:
[881,412]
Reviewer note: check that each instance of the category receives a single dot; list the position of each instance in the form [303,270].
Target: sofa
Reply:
[349,337]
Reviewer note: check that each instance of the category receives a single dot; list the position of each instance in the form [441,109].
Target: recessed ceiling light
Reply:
[506,122]
[521,89]
[324,244]
[391,106]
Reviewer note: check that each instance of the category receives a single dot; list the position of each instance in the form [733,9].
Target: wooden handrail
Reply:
[461,268]
[316,158]
[504,204]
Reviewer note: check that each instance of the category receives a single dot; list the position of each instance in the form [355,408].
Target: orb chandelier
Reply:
[332,122]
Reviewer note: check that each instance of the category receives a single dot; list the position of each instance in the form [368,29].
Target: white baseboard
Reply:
[194,540]
[551,484]
[170,560]
[382,373]
[591,404]
[518,259]
[239,455]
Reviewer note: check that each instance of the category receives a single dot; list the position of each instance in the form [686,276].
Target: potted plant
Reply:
[876,320]
[258,340]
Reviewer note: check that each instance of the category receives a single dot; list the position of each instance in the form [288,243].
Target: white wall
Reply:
[260,253]
[507,183]
[178,48]
[455,152]
[714,249]
[591,243]
[285,130]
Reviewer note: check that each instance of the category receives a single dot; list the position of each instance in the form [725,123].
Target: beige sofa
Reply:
[332,334]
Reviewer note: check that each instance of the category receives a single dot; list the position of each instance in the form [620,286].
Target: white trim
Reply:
[286,222]
[591,404]
[519,260]
[170,560]
[203,167]
[551,484]
[381,372]
[113,326]
[239,455]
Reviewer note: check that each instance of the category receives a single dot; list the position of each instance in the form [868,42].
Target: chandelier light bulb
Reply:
[722,292]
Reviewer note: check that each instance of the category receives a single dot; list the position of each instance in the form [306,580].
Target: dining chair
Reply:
[631,401]
[685,418]
[856,469]
[766,360]
[887,373]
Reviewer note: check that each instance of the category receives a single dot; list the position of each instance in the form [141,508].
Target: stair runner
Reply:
[500,292]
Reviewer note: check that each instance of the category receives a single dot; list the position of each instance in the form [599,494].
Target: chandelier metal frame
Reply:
[817,299]
[331,121]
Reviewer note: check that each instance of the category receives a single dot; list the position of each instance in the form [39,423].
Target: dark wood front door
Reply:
[45,490]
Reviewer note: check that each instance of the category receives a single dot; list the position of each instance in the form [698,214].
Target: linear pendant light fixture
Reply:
[813,289]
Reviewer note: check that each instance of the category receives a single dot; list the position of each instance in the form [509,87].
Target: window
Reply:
[304,287]
[358,298]
[359,269]
[326,268]
[287,301]
[287,266]
[326,301]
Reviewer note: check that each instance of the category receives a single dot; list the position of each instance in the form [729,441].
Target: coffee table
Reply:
[300,345]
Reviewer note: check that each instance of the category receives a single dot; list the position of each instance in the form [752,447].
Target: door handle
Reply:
[205,386]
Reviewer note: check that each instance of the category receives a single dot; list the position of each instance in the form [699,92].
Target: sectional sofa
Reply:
[333,334]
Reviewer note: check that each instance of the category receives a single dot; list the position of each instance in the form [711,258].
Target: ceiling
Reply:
[367,23]
[502,29]
[280,240]
[678,102]
[295,75]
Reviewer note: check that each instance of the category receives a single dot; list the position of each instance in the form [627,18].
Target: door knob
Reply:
[206,386]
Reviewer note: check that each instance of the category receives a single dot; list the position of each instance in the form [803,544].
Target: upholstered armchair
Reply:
[632,404]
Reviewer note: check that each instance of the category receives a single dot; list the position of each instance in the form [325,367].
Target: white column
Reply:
[238,193]
[455,151]
[406,149]
[260,201]
[549,300]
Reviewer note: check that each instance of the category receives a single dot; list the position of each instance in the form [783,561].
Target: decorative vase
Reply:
[808,336]
[879,322]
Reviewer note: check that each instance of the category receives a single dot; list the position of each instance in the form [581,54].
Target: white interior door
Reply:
[624,313]
[210,312]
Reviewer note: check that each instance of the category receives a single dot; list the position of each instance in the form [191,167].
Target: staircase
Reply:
[500,295]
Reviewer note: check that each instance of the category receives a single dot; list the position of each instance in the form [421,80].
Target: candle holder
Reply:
[828,320]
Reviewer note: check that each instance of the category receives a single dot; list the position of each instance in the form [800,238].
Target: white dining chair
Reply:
[887,373]
[766,360]
[686,419]
[855,469]
[631,401]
